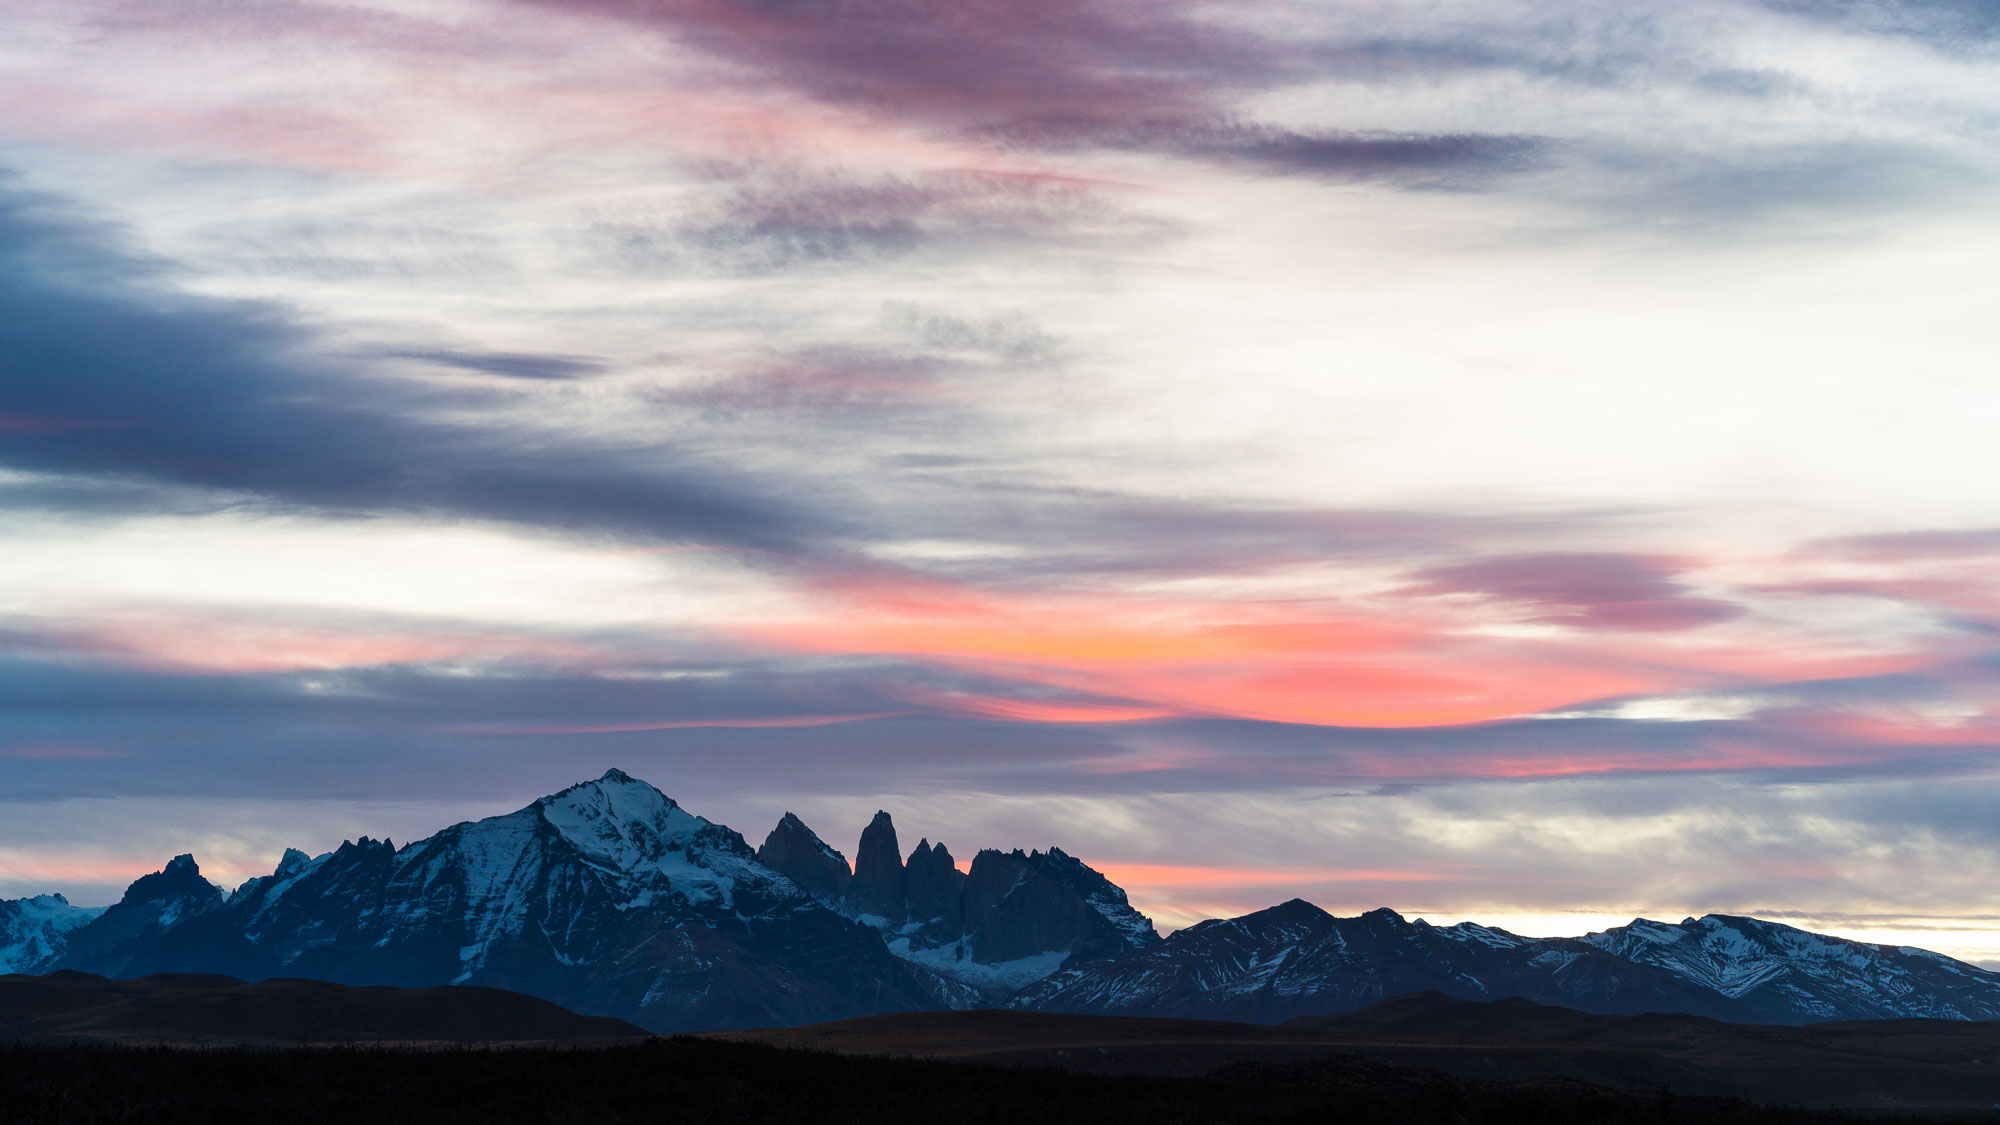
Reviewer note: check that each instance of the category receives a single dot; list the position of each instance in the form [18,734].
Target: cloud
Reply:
[1413,159]
[1962,24]
[1076,533]
[1610,591]
[983,62]
[1731,184]
[500,718]
[111,374]
[1055,75]
[1908,546]
[512,365]
[928,371]
[1450,158]
[760,219]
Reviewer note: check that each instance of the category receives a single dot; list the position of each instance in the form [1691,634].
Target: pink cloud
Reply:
[1608,591]
[277,133]
[241,643]
[1156,658]
[775,722]
[979,62]
[1038,710]
[71,870]
[1910,545]
[1163,876]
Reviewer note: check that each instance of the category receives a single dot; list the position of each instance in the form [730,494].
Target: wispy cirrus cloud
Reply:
[1959,24]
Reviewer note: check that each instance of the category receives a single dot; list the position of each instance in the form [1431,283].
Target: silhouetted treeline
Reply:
[689,1080]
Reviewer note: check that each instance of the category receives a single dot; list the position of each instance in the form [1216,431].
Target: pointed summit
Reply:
[796,852]
[879,880]
[623,820]
[151,904]
[615,792]
[610,781]
[179,882]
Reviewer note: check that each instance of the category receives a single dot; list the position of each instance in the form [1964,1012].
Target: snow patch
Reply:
[954,962]
[1484,935]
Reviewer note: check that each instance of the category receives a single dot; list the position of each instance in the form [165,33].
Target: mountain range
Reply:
[610,899]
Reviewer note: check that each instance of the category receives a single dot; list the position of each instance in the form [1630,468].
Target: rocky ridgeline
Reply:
[1011,918]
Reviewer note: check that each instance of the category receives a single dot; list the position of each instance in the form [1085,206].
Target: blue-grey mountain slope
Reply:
[1779,974]
[135,927]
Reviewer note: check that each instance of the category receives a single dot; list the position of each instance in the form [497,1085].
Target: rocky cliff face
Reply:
[1022,904]
[935,888]
[879,889]
[795,852]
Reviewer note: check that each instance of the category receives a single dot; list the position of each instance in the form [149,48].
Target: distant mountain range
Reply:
[610,899]
[1296,960]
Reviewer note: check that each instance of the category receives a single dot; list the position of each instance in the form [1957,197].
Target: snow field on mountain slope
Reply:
[33,927]
[945,961]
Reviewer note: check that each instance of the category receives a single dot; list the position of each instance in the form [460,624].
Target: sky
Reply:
[1528,462]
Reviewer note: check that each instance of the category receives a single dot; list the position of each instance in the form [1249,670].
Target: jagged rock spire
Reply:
[880,883]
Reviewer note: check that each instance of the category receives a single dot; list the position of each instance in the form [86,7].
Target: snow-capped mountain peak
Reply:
[621,820]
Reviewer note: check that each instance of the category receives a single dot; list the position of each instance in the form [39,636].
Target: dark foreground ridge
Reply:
[689,1079]
[189,1010]
[1928,1066]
